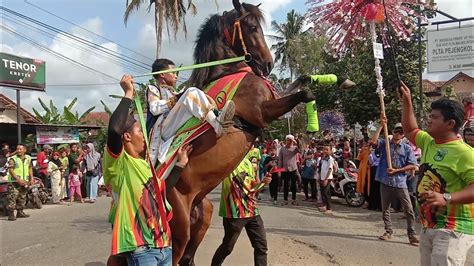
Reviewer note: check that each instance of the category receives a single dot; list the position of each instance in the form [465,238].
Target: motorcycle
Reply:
[3,197]
[343,185]
[37,193]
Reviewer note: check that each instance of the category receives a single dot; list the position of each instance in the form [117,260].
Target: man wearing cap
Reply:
[287,159]
[167,110]
[20,175]
[393,181]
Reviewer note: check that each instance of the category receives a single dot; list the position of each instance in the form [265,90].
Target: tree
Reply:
[68,117]
[171,12]
[286,35]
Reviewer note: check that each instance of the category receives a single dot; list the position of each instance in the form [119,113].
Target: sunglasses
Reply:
[398,131]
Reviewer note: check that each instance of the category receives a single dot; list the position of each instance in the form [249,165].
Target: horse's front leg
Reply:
[272,110]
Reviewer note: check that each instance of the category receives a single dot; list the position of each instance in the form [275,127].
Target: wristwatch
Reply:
[447,198]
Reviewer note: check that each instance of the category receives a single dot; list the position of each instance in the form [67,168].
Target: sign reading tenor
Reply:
[22,73]
[451,49]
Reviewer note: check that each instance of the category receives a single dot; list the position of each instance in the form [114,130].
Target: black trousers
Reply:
[326,195]
[287,178]
[256,233]
[375,202]
[274,187]
[312,185]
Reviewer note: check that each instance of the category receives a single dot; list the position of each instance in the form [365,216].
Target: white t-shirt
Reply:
[326,164]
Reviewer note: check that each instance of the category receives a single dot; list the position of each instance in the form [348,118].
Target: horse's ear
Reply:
[238,6]
[259,5]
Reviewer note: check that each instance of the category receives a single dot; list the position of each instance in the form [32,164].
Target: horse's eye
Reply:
[253,28]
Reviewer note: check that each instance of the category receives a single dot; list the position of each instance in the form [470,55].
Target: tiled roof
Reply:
[11,105]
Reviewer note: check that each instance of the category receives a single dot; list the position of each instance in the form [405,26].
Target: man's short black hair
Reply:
[161,64]
[450,109]
[21,144]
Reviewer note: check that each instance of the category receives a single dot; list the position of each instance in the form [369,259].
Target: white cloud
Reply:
[59,71]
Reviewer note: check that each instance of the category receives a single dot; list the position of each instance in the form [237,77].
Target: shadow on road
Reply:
[94,263]
[293,232]
[92,224]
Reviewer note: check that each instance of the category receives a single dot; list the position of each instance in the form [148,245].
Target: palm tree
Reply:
[287,34]
[171,12]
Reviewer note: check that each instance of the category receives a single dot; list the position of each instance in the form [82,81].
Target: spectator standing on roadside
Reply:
[271,162]
[92,165]
[308,173]
[287,160]
[445,190]
[393,181]
[42,161]
[326,176]
[57,181]
[20,175]
[65,171]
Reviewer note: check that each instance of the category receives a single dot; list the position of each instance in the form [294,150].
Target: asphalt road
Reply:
[298,235]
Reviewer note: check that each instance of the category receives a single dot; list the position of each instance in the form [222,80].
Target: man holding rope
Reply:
[446,185]
[168,110]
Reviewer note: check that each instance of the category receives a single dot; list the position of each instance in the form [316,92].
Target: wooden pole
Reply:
[381,92]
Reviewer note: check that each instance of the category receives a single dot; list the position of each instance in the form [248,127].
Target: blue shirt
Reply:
[402,155]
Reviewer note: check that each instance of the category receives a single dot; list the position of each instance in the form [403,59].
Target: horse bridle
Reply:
[237,30]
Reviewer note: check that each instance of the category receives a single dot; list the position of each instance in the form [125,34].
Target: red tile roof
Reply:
[97,118]
[11,105]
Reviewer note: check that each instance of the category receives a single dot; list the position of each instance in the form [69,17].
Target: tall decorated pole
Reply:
[344,22]
[380,89]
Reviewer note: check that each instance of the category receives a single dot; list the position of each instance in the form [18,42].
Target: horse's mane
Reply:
[209,45]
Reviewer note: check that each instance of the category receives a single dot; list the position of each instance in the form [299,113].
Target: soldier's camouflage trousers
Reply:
[16,198]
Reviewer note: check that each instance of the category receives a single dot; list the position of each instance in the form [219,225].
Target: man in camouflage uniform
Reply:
[20,176]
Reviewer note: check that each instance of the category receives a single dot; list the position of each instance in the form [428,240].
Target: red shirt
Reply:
[42,162]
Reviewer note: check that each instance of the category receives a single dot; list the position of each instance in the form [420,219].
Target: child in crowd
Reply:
[270,163]
[326,171]
[63,158]
[75,179]
[308,175]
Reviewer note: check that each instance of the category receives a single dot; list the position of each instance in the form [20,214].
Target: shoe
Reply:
[294,202]
[225,118]
[21,214]
[322,209]
[414,240]
[11,215]
[327,212]
[284,203]
[275,202]
[385,236]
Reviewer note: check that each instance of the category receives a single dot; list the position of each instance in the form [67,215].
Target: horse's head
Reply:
[244,35]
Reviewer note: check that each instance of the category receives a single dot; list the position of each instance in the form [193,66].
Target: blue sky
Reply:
[106,18]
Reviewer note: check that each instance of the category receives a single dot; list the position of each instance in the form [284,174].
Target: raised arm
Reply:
[119,117]
[408,116]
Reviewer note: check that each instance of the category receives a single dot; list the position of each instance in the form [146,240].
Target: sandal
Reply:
[385,236]
[414,240]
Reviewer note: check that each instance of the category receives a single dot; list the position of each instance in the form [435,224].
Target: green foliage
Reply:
[52,116]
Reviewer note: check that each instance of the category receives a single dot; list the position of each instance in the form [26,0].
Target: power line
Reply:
[96,34]
[79,39]
[44,48]
[72,44]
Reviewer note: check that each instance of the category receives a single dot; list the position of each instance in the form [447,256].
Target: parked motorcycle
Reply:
[3,197]
[37,193]
[344,184]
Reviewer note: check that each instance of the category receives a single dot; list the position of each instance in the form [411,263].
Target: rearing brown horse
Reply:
[231,34]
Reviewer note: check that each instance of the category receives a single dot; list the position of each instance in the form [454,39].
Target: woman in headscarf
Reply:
[92,165]
[57,183]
